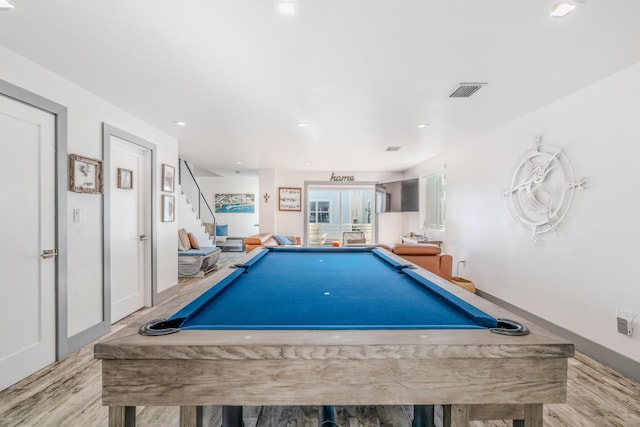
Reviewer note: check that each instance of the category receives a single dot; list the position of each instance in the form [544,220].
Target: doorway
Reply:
[332,211]
[129,231]
[28,258]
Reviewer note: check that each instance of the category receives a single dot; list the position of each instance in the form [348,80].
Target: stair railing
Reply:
[194,195]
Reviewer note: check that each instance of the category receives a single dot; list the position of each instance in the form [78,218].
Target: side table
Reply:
[232,244]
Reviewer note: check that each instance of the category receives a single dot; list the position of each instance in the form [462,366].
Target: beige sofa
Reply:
[266,240]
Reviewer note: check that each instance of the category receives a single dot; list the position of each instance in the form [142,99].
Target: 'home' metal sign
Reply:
[341,178]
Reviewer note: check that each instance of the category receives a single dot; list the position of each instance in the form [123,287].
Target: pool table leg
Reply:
[191,416]
[232,416]
[455,415]
[533,415]
[122,416]
[423,416]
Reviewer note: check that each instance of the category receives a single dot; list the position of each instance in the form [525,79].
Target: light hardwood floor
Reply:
[67,393]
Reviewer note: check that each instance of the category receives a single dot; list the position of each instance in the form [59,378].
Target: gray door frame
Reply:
[64,345]
[107,132]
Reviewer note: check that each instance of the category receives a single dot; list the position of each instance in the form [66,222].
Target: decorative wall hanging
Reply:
[341,178]
[125,179]
[542,189]
[290,199]
[85,174]
[235,203]
[168,208]
[168,178]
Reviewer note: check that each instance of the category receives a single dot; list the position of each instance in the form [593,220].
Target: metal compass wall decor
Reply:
[542,189]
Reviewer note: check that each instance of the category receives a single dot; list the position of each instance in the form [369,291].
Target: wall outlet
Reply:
[625,319]
[624,326]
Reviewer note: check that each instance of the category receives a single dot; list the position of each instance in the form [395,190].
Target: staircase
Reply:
[194,210]
[188,219]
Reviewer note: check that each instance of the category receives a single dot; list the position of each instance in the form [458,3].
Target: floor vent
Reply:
[465,90]
[394,148]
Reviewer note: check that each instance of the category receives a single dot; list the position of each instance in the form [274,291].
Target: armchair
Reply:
[429,257]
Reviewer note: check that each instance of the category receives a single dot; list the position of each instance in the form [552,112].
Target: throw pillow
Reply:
[282,240]
[193,241]
[222,230]
[183,240]
[292,239]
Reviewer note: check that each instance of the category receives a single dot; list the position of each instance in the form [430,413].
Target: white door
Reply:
[130,227]
[27,222]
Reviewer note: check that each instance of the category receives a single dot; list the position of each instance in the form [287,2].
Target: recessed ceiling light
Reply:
[287,7]
[238,162]
[423,125]
[374,164]
[562,9]
[180,123]
[5,5]
[303,124]
[307,163]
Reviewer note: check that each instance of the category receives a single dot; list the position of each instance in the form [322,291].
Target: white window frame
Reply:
[316,211]
[434,207]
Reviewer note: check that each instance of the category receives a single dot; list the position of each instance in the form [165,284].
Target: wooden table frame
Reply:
[476,374]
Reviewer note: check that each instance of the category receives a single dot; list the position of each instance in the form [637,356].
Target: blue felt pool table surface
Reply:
[332,288]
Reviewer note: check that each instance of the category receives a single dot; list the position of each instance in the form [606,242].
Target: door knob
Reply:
[143,237]
[49,253]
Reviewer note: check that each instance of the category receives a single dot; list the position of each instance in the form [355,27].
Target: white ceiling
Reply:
[362,73]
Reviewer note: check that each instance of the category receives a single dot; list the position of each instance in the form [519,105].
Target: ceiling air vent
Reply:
[394,148]
[465,90]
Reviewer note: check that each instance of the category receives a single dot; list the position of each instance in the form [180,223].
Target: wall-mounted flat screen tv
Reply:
[398,196]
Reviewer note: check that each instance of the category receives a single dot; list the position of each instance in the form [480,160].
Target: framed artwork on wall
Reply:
[168,178]
[168,208]
[235,203]
[290,199]
[85,174]
[125,179]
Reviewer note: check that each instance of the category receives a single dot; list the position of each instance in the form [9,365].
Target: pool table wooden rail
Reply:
[461,368]
[329,345]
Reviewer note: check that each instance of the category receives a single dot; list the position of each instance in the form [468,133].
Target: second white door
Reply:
[130,227]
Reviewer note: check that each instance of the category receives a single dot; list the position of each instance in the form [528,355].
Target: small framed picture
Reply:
[125,179]
[168,178]
[290,199]
[168,208]
[85,174]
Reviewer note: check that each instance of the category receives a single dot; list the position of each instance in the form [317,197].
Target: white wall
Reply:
[581,274]
[86,113]
[240,224]
[393,225]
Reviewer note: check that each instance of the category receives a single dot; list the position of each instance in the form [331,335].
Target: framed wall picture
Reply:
[168,178]
[125,179]
[290,199]
[85,174]
[168,208]
[235,203]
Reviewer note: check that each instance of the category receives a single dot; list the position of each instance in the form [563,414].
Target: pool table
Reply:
[325,326]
